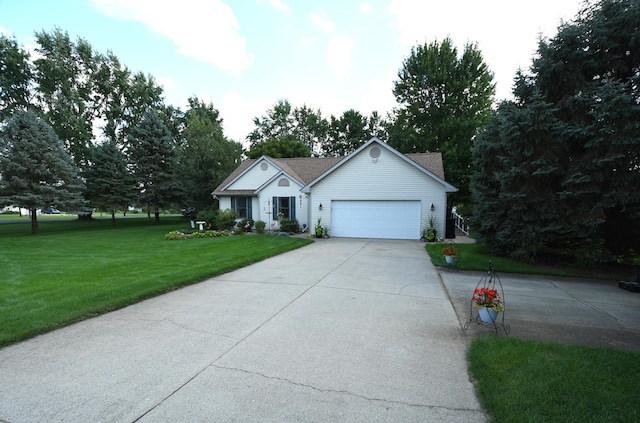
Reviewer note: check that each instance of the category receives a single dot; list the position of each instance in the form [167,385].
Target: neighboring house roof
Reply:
[309,170]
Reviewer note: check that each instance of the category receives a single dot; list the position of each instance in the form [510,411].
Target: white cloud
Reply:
[366,8]
[507,39]
[166,83]
[206,30]
[322,22]
[339,56]
[278,4]
[237,113]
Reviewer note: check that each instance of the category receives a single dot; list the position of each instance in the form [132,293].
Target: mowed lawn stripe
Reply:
[81,269]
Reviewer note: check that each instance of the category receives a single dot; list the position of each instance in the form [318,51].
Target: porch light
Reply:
[432,207]
[320,206]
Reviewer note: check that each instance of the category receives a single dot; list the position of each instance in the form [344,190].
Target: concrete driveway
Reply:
[341,330]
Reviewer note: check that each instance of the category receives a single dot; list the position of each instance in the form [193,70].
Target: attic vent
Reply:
[374,152]
[264,166]
[284,182]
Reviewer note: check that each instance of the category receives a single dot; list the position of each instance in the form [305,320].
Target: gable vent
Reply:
[264,166]
[284,182]
[374,152]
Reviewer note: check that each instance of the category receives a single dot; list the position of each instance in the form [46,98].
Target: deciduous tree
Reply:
[443,98]
[204,157]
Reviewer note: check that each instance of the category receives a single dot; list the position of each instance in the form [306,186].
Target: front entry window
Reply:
[284,207]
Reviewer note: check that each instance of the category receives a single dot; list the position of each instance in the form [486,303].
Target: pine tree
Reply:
[37,171]
[152,153]
[109,184]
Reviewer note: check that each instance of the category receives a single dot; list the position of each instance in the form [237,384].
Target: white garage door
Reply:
[375,219]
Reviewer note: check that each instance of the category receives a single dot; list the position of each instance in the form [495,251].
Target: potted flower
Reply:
[449,254]
[318,228]
[488,302]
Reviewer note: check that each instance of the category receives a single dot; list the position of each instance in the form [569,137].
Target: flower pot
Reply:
[488,315]
[449,259]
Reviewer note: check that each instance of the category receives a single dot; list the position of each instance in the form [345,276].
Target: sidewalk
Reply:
[568,310]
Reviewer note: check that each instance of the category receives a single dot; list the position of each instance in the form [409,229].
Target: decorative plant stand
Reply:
[489,281]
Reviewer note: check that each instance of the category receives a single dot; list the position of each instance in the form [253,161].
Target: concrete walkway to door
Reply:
[343,330]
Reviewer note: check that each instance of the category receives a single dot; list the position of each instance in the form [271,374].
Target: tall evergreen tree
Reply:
[37,172]
[570,144]
[109,184]
[152,153]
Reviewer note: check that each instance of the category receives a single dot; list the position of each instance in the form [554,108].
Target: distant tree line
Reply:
[554,172]
[125,145]
[128,147]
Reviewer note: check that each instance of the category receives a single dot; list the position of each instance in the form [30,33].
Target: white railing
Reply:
[460,223]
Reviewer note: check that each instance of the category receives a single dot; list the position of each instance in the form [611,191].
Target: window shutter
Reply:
[233,203]
[274,216]
[249,202]
[292,207]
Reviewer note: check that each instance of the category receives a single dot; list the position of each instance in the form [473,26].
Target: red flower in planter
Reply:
[449,251]
[487,297]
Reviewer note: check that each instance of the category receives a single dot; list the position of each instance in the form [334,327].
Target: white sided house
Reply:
[374,192]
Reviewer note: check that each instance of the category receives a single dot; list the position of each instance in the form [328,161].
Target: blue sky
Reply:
[244,55]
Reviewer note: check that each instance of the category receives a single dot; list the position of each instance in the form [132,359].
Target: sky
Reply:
[331,55]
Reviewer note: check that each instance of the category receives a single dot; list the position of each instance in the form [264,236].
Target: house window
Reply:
[284,207]
[242,207]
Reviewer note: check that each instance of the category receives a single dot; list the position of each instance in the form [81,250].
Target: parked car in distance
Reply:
[51,210]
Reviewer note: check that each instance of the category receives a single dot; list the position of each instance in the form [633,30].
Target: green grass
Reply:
[474,257]
[76,269]
[530,381]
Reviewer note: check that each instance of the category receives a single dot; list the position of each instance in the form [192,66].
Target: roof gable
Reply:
[308,171]
[419,160]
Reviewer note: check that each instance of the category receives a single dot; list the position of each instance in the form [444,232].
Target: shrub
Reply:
[260,226]
[289,225]
[209,215]
[174,235]
[226,219]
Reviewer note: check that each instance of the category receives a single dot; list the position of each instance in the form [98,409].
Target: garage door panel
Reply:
[375,219]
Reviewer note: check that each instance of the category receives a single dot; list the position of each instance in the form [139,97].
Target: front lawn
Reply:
[474,257]
[76,269]
[530,381]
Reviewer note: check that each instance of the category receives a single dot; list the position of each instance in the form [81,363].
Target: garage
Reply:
[375,219]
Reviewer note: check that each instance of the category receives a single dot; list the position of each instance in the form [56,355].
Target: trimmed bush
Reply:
[289,225]
[226,220]
[209,215]
[260,225]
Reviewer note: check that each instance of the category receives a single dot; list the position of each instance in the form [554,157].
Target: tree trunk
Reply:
[113,218]
[157,215]
[34,222]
